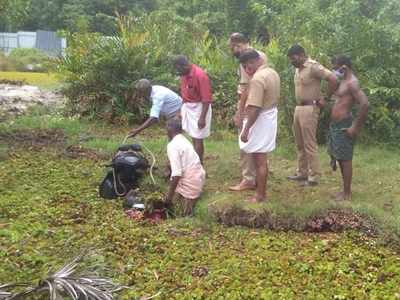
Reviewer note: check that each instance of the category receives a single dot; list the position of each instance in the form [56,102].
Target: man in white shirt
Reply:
[187,173]
[165,103]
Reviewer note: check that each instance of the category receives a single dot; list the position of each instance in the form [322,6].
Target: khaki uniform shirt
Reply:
[307,81]
[244,77]
[264,88]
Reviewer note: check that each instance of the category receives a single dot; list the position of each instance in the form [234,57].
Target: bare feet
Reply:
[341,196]
[256,199]
[242,186]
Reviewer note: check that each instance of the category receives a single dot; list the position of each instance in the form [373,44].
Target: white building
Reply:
[47,41]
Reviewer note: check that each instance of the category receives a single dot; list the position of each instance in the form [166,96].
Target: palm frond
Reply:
[4,294]
[68,282]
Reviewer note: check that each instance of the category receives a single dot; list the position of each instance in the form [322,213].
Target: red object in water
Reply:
[157,215]
[134,214]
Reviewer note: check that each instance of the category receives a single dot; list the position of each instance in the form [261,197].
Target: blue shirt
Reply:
[164,102]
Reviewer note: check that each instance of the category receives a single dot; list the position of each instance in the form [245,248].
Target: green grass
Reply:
[50,210]
[42,80]
[376,189]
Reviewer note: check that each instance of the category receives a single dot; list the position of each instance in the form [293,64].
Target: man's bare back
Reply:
[344,98]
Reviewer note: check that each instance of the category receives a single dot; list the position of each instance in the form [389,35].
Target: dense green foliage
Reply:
[71,15]
[100,15]
[25,60]
[5,63]
[98,69]
[103,69]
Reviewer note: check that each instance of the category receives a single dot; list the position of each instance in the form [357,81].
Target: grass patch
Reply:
[376,191]
[42,80]
[50,211]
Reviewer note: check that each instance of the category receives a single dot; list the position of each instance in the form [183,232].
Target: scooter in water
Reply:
[127,168]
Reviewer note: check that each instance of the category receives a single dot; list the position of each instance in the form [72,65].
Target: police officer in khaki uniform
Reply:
[307,80]
[238,44]
[259,130]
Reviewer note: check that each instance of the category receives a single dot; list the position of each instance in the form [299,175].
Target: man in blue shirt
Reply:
[165,103]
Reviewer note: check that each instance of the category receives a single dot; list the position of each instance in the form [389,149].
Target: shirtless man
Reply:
[343,129]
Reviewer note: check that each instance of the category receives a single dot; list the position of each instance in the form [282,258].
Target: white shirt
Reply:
[181,155]
[164,102]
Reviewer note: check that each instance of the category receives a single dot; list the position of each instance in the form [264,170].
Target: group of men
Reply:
[256,119]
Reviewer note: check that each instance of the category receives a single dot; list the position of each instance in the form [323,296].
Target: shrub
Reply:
[100,71]
[29,59]
[5,63]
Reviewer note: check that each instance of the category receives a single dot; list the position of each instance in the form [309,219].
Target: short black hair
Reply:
[238,37]
[296,50]
[342,59]
[181,60]
[175,124]
[247,55]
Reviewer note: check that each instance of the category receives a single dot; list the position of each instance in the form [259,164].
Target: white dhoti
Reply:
[262,135]
[190,113]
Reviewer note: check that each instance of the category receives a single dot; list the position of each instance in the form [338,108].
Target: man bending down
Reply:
[165,103]
[187,173]
[259,131]
[343,129]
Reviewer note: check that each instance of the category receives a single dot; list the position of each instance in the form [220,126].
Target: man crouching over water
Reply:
[343,129]
[187,173]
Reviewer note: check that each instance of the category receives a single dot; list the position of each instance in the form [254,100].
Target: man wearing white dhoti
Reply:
[238,42]
[259,131]
[197,98]
[187,173]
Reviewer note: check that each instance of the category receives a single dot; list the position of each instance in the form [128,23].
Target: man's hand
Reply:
[238,120]
[244,137]
[201,123]
[167,199]
[350,132]
[133,132]
[167,172]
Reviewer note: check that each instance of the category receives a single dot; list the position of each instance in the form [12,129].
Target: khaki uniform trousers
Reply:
[305,132]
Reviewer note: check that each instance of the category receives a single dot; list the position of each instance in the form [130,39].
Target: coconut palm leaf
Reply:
[68,282]
[4,294]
